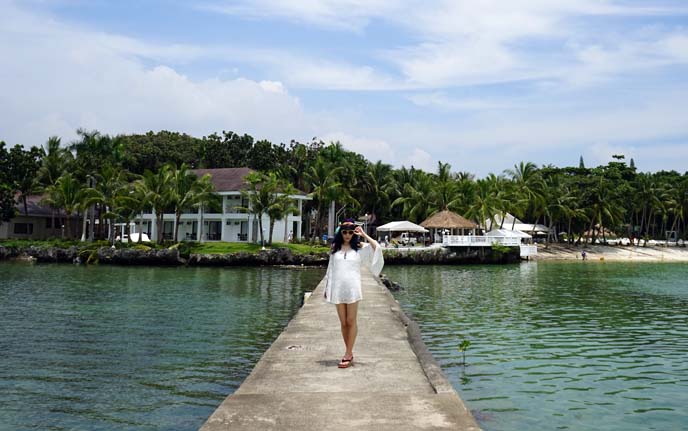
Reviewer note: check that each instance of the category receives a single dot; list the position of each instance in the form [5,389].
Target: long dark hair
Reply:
[355,242]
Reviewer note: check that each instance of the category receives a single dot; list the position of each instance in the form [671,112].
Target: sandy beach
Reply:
[620,253]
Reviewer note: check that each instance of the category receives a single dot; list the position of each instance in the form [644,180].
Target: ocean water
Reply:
[133,348]
[571,345]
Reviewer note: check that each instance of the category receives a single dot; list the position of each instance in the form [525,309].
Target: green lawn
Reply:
[236,247]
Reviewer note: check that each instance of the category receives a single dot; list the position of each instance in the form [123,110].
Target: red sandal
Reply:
[346,363]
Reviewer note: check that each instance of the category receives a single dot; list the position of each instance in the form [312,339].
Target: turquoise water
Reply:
[575,345]
[129,348]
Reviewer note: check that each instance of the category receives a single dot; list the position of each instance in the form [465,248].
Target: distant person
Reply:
[343,279]
[583,254]
[290,237]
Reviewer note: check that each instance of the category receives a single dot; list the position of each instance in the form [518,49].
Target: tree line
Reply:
[126,174]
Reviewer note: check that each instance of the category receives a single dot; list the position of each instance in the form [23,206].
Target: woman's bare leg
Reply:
[352,326]
[341,312]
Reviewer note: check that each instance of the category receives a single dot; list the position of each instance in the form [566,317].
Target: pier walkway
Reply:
[394,384]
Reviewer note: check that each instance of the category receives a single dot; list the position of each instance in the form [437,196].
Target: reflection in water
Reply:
[134,348]
[559,345]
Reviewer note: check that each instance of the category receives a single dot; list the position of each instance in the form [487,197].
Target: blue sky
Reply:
[481,85]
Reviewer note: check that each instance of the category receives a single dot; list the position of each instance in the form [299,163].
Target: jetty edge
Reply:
[394,383]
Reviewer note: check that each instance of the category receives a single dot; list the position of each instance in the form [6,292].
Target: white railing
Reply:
[479,241]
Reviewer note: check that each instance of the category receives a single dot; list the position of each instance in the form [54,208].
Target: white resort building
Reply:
[222,222]
[226,222]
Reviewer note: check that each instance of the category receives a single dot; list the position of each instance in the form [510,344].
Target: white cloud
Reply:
[443,102]
[321,74]
[463,42]
[64,78]
[349,15]
[420,159]
[371,148]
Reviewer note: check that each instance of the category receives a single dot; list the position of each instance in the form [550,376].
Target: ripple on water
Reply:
[575,347]
[104,348]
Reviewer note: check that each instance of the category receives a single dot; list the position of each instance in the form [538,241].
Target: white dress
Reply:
[343,278]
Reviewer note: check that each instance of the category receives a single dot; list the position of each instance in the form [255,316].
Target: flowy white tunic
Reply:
[343,278]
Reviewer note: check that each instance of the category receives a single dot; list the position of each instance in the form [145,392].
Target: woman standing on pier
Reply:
[343,279]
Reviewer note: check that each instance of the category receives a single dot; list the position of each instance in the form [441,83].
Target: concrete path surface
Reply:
[394,384]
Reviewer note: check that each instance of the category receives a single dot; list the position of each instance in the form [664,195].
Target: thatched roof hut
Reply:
[448,220]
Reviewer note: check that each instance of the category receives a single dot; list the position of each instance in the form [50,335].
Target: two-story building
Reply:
[221,222]
[226,221]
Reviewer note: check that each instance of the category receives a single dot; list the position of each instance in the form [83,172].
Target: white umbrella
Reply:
[401,226]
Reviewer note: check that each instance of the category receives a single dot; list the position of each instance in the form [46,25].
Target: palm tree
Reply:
[444,190]
[185,193]
[377,186]
[603,207]
[54,161]
[70,195]
[205,195]
[647,198]
[23,168]
[94,150]
[157,190]
[128,205]
[416,197]
[260,195]
[323,181]
[530,188]
[484,206]
[113,187]
[282,206]
[499,188]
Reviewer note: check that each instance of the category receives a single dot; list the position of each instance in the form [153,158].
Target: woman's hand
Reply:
[360,232]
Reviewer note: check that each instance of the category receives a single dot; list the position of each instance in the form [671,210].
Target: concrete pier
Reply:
[394,384]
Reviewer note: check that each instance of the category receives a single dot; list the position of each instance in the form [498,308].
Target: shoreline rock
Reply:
[270,257]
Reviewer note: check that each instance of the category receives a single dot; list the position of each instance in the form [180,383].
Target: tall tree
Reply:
[55,160]
[7,191]
[72,196]
[325,186]
[23,168]
[281,207]
[260,195]
[188,191]
[530,188]
[157,190]
[416,198]
[113,188]
[484,206]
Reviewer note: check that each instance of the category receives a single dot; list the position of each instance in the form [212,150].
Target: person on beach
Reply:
[343,278]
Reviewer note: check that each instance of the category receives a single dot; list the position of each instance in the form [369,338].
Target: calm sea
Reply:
[131,348]
[575,345]
[579,345]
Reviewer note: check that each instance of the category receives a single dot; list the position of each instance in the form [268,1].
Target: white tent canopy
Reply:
[511,222]
[401,226]
[508,233]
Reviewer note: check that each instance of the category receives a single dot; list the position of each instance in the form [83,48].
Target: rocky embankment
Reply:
[165,257]
[443,256]
[277,256]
